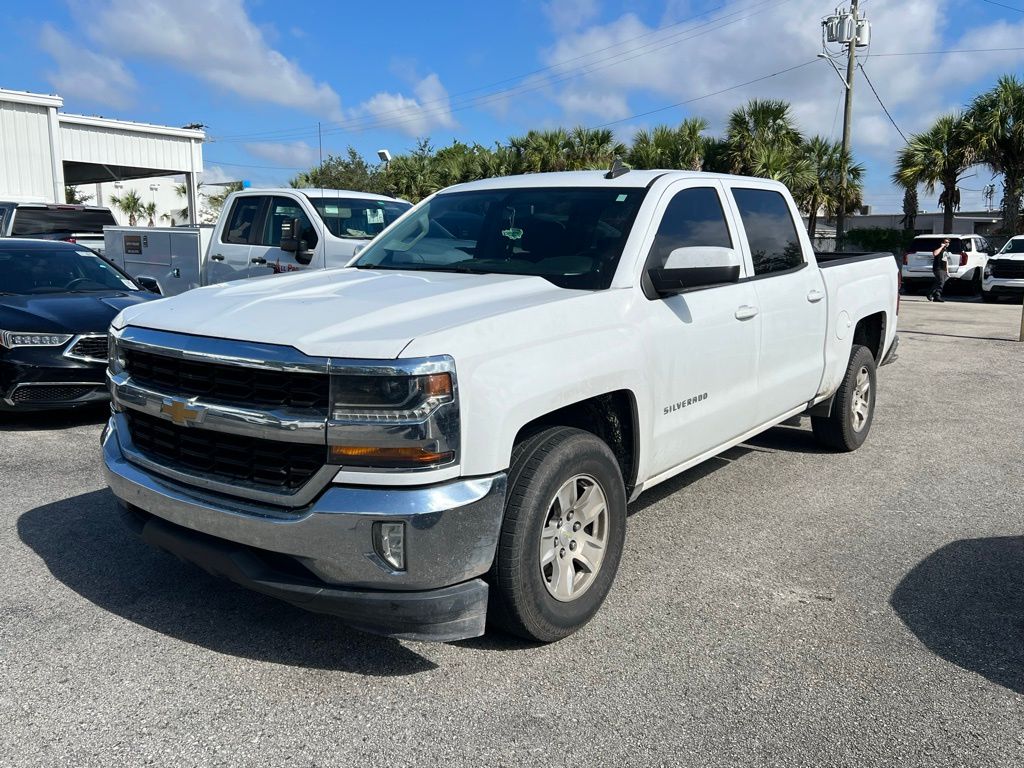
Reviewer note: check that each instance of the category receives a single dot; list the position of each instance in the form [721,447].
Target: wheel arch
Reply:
[612,417]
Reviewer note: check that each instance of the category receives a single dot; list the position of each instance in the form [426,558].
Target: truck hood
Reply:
[352,313]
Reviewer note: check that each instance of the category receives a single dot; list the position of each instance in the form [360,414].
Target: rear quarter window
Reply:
[771,233]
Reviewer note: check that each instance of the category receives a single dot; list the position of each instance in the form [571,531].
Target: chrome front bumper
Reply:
[451,533]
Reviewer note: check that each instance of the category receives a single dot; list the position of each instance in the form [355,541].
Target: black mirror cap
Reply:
[669,282]
[302,253]
[150,284]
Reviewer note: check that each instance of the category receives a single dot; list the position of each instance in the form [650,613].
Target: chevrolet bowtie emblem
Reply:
[181,413]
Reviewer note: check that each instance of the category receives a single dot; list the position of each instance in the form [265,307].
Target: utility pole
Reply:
[851,62]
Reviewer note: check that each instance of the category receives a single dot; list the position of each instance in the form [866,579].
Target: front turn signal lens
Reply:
[405,456]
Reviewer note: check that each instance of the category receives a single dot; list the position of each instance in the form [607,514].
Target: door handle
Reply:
[746,312]
[217,257]
[815,296]
[258,260]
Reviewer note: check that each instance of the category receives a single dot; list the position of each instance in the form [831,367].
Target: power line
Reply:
[881,104]
[1004,5]
[588,68]
[707,95]
[603,125]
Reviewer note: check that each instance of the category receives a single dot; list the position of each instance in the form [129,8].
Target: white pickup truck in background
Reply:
[451,429]
[260,232]
[1004,272]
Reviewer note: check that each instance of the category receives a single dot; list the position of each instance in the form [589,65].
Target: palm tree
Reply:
[996,125]
[74,196]
[591,148]
[761,123]
[821,190]
[909,208]
[939,156]
[681,148]
[129,204]
[149,211]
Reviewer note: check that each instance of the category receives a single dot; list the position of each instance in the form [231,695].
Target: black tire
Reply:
[976,286]
[838,430]
[520,601]
[989,298]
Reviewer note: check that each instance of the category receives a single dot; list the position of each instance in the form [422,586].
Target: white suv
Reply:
[1004,273]
[965,259]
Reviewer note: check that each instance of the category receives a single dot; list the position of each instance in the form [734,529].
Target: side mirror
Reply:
[292,242]
[149,283]
[695,267]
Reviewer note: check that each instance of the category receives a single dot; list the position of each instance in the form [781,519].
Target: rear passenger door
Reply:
[229,253]
[266,256]
[790,300]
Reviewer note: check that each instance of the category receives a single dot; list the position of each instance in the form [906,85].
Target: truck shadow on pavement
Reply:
[965,602]
[32,421]
[88,549]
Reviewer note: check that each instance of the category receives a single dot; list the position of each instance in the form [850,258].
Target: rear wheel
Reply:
[988,297]
[853,407]
[562,536]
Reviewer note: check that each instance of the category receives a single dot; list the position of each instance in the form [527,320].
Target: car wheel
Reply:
[562,535]
[989,298]
[853,408]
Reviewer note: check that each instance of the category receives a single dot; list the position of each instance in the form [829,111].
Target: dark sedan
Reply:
[56,303]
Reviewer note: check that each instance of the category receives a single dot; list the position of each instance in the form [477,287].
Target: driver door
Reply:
[266,256]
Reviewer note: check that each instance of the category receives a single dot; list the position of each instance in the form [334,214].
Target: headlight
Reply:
[394,418]
[12,339]
[115,359]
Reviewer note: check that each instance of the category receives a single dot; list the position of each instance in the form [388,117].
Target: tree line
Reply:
[989,132]
[761,139]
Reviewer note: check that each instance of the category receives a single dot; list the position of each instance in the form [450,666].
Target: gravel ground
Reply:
[777,606]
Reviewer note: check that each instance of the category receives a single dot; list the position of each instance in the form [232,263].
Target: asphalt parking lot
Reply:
[776,606]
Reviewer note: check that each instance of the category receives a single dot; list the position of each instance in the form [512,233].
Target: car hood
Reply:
[1008,257]
[67,312]
[353,313]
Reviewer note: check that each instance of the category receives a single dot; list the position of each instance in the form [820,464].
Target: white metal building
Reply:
[43,149]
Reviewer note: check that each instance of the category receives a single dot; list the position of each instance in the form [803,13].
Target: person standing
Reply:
[939,270]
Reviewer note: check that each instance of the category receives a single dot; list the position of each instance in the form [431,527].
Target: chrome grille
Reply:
[235,458]
[227,383]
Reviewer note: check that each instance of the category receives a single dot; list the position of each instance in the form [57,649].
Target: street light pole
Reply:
[851,61]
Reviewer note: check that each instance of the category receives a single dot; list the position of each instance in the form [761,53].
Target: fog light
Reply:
[389,541]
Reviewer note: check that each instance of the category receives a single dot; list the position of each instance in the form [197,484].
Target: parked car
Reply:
[81,224]
[56,303]
[1004,273]
[455,424]
[965,260]
[260,232]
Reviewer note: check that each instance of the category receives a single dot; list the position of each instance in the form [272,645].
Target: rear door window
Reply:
[242,220]
[930,243]
[771,233]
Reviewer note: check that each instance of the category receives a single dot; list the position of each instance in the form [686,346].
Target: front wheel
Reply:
[853,408]
[562,536]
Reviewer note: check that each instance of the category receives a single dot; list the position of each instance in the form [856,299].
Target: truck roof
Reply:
[316,192]
[595,179]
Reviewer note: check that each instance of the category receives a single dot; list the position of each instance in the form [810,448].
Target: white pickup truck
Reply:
[451,428]
[260,232]
[1004,273]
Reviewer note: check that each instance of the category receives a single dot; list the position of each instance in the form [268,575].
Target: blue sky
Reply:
[261,74]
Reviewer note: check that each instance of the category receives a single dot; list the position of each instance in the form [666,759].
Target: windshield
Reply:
[1013,246]
[46,221]
[42,270]
[572,237]
[929,244]
[361,219]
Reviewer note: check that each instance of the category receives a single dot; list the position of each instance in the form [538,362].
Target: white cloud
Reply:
[85,75]
[738,49]
[296,154]
[429,107]
[216,41]
[565,15]
[215,174]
